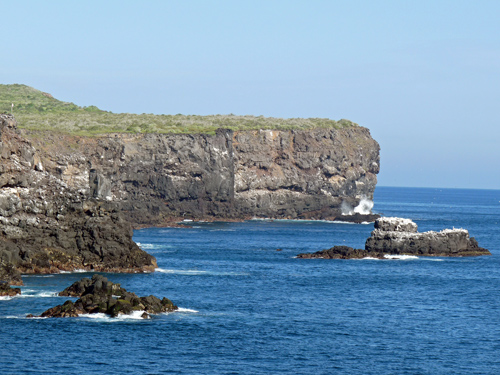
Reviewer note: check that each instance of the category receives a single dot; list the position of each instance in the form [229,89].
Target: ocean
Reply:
[248,306]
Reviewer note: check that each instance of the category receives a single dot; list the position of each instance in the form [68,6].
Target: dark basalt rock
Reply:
[8,272]
[341,252]
[49,223]
[397,236]
[67,202]
[98,295]
[7,291]
[231,175]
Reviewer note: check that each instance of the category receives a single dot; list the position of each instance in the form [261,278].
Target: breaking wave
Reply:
[198,272]
[364,207]
[400,257]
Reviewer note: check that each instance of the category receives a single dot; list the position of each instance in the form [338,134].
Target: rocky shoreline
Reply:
[70,202]
[397,236]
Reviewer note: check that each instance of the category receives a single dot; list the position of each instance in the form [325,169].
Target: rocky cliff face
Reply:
[156,178]
[63,198]
[47,225]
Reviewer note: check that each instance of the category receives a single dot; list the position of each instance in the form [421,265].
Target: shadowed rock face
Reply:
[396,236]
[98,295]
[47,225]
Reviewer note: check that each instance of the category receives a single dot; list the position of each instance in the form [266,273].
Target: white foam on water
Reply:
[184,310]
[368,258]
[80,270]
[400,257]
[23,317]
[29,275]
[5,298]
[28,294]
[181,272]
[199,272]
[101,317]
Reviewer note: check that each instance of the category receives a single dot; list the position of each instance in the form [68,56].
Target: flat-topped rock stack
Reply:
[394,235]
[398,236]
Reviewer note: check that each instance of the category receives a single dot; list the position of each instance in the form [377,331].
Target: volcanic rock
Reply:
[7,291]
[397,236]
[98,295]
[400,236]
[48,224]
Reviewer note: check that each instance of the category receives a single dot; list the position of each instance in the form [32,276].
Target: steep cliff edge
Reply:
[47,225]
[157,178]
[63,198]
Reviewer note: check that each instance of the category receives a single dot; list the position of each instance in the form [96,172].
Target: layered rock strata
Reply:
[63,198]
[98,295]
[158,178]
[397,236]
[48,225]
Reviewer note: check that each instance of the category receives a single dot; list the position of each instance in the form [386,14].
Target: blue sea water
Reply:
[247,308]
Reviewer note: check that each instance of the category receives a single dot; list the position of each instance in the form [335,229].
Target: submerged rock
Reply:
[397,236]
[98,295]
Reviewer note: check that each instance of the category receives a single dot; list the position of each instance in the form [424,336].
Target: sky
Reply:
[423,76]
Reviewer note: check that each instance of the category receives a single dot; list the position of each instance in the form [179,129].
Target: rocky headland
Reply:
[397,236]
[98,295]
[48,225]
[69,202]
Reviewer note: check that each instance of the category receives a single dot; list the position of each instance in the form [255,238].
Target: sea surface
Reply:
[247,308]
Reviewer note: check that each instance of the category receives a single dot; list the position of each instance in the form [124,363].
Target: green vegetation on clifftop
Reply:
[36,110]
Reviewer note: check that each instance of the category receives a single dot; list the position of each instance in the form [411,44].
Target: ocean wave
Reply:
[31,275]
[5,298]
[101,317]
[30,294]
[400,257]
[79,270]
[184,310]
[198,272]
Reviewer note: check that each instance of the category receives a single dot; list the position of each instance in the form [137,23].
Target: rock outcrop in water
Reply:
[7,291]
[397,236]
[98,295]
[400,236]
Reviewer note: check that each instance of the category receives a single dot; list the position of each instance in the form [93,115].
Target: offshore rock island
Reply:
[98,295]
[69,201]
[396,236]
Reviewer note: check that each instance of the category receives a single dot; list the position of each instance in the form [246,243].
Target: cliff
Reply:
[47,225]
[157,178]
[63,198]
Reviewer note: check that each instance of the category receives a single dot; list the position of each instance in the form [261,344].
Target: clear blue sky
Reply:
[423,76]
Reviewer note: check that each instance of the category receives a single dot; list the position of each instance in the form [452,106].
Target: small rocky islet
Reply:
[99,295]
[398,236]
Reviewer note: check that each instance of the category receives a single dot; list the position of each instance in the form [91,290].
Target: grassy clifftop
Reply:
[36,110]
